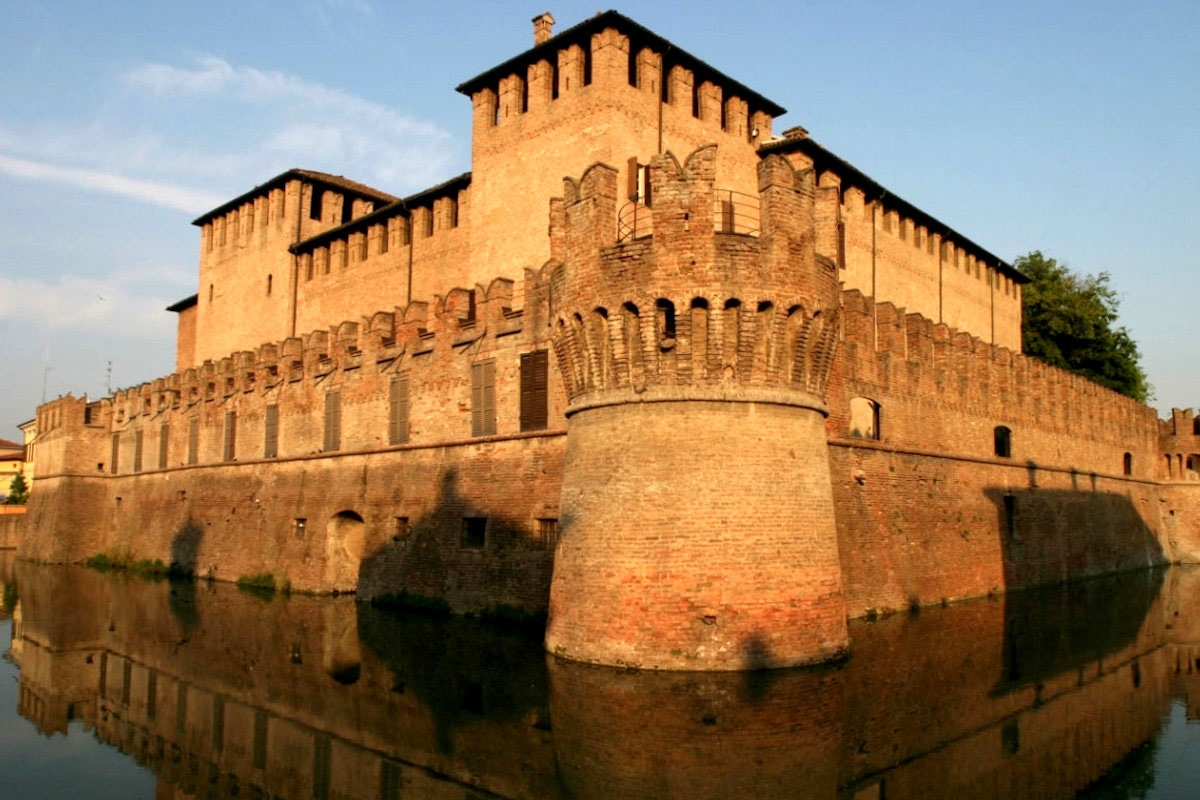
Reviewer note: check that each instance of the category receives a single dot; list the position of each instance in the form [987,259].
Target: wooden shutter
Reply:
[483,398]
[534,373]
[164,438]
[230,435]
[333,421]
[271,432]
[137,450]
[193,440]
[398,410]
[116,453]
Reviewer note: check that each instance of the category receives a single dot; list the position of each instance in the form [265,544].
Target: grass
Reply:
[123,561]
[263,584]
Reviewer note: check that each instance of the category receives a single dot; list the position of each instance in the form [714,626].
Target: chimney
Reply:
[543,28]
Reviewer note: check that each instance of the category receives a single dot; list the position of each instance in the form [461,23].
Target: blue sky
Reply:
[1072,127]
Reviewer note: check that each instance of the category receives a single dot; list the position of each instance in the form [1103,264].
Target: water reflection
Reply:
[222,693]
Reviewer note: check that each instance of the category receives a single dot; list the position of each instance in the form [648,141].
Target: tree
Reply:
[18,492]
[1070,321]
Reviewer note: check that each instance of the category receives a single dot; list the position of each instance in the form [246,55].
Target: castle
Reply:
[699,391]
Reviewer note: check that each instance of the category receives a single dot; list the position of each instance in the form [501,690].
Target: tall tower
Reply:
[697,512]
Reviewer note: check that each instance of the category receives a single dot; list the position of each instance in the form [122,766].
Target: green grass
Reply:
[123,561]
[263,584]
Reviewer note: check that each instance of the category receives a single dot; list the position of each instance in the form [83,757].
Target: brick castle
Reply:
[699,391]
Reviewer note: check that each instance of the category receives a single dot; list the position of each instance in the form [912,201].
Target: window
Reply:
[193,440]
[299,526]
[483,398]
[474,533]
[864,418]
[333,421]
[137,450]
[534,399]
[270,281]
[400,529]
[116,453]
[315,203]
[545,534]
[1010,515]
[1003,441]
[398,410]
[164,438]
[1127,468]
[271,432]
[230,448]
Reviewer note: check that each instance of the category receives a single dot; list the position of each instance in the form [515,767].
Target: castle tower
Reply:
[697,512]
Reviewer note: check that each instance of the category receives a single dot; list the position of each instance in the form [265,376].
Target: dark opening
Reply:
[1003,441]
[554,80]
[632,66]
[587,64]
[474,533]
[1128,464]
[666,318]
[1010,515]
[347,209]
[315,203]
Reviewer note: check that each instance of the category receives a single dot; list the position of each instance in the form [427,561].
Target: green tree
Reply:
[1070,321]
[18,492]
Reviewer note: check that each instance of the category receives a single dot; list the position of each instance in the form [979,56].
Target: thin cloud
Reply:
[161,194]
[111,306]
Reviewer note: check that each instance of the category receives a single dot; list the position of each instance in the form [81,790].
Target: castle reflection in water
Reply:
[220,692]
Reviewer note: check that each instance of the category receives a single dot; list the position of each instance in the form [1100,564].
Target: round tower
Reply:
[697,521]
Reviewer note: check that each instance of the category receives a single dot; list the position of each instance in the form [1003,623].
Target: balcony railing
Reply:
[733,212]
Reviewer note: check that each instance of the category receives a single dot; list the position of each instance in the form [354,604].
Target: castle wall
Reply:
[930,508]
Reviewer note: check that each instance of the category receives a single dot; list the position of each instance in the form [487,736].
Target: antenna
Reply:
[46,375]
[108,380]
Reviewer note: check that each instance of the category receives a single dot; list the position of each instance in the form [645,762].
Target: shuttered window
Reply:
[116,453]
[164,437]
[230,436]
[534,371]
[271,432]
[483,398]
[398,410]
[193,440]
[333,421]
[137,450]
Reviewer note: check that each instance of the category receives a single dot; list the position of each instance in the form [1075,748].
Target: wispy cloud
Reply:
[116,305]
[162,194]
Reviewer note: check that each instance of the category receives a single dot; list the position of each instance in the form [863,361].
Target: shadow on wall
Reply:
[459,557]
[1052,536]
[1056,630]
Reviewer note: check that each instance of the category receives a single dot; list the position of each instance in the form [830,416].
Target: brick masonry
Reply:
[741,447]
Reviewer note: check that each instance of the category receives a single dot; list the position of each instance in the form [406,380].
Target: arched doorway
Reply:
[343,551]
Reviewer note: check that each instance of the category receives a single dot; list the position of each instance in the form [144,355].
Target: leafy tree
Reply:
[18,492]
[1070,321]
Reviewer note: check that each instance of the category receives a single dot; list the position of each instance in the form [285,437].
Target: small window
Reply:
[1128,464]
[137,451]
[193,440]
[1002,441]
[1010,515]
[474,533]
[864,418]
[116,452]
[164,438]
[545,534]
[270,281]
[299,526]
[400,529]
[315,204]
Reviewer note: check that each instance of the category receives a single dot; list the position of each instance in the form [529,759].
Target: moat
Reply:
[118,686]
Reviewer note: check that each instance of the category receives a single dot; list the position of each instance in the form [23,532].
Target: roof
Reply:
[184,304]
[824,159]
[400,206]
[312,176]
[639,37]
[5,444]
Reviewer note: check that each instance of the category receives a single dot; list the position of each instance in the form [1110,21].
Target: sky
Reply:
[1067,127]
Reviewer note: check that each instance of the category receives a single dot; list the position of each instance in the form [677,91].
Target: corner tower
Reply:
[697,511]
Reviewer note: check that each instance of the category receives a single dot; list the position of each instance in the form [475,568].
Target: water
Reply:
[120,687]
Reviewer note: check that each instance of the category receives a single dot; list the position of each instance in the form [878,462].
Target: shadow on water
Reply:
[462,670]
[1059,629]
